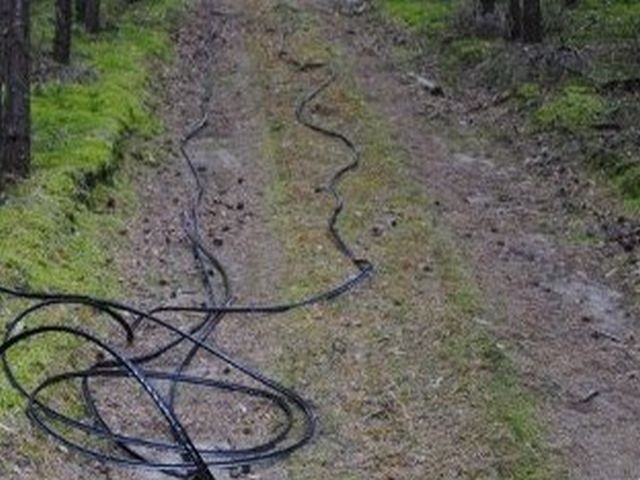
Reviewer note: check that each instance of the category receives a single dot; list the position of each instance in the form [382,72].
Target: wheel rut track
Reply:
[180,456]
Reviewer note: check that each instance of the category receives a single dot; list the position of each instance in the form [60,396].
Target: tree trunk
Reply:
[17,74]
[532,21]
[62,39]
[81,10]
[92,16]
[515,19]
[487,7]
[4,35]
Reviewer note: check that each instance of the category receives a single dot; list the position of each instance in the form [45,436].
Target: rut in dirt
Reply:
[562,308]
[164,384]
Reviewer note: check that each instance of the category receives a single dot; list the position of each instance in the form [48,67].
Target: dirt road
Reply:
[492,342]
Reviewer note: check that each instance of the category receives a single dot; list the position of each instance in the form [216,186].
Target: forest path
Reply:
[557,299]
[490,343]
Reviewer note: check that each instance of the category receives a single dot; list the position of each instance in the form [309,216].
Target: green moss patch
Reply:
[574,109]
[430,16]
[528,92]
[59,229]
[602,21]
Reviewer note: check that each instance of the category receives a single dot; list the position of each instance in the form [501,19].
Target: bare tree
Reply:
[17,106]
[92,16]
[532,21]
[62,38]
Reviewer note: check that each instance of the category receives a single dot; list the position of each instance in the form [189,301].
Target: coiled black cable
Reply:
[180,457]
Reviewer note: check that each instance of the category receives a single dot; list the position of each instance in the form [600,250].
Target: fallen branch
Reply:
[7,429]
[429,85]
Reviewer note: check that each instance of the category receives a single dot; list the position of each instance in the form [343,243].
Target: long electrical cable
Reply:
[179,457]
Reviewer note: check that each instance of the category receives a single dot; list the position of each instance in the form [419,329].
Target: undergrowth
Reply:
[59,229]
[561,87]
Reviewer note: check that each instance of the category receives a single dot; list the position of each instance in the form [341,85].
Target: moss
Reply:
[574,109]
[430,16]
[629,183]
[622,169]
[462,54]
[56,231]
[528,92]
[602,21]
[469,51]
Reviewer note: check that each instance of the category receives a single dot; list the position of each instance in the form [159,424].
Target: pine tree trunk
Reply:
[487,7]
[4,22]
[17,74]
[532,21]
[62,39]
[92,16]
[515,20]
[81,10]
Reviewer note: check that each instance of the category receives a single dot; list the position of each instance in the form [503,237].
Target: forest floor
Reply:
[496,340]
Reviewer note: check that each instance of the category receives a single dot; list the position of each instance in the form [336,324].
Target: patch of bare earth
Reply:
[227,156]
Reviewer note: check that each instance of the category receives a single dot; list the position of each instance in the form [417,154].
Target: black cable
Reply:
[187,459]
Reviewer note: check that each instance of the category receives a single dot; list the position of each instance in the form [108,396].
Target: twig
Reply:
[7,429]
[429,85]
